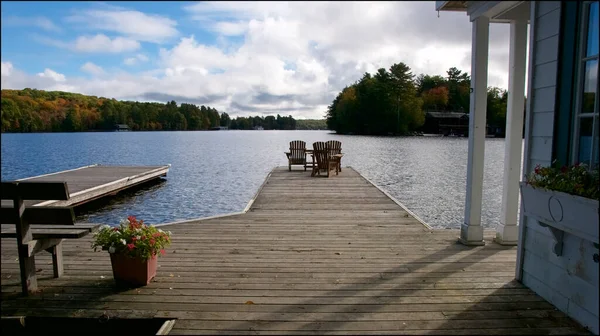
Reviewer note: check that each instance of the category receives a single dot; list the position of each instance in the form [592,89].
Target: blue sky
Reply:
[27,25]
[239,57]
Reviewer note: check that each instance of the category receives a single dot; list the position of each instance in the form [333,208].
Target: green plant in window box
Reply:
[565,199]
[574,180]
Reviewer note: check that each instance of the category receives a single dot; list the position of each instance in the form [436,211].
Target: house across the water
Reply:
[121,128]
[453,124]
[562,126]
[446,123]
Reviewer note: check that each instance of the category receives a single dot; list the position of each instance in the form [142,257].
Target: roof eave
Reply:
[451,6]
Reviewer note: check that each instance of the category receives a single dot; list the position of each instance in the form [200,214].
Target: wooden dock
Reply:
[311,256]
[92,182]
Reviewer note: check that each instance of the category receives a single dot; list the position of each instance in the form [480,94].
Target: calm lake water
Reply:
[219,172]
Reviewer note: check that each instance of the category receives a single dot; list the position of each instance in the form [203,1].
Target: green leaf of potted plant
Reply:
[134,248]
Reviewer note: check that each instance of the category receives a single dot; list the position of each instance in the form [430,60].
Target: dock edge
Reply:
[395,201]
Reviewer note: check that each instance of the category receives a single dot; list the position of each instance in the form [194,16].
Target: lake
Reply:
[218,172]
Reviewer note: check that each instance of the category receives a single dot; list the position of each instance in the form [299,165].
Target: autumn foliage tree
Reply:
[435,99]
[31,110]
[384,103]
[395,102]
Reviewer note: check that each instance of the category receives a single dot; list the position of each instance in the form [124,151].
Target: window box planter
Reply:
[561,212]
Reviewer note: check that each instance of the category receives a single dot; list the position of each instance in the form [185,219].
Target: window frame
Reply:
[577,115]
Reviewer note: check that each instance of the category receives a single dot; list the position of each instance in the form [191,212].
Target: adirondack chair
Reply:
[297,154]
[335,147]
[324,159]
[57,223]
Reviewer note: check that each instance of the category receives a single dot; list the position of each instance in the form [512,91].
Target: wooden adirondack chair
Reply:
[324,159]
[297,154]
[335,147]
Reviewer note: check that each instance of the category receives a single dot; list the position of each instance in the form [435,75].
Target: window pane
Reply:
[585,140]
[590,86]
[592,38]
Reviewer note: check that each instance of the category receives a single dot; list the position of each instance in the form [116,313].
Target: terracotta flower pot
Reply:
[133,271]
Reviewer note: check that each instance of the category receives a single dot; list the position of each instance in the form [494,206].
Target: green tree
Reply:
[225,119]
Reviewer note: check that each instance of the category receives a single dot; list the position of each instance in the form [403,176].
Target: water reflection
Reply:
[218,172]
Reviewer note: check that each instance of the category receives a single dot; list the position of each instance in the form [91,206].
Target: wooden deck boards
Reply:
[92,182]
[309,257]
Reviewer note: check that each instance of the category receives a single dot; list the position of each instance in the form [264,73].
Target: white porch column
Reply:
[471,232]
[507,232]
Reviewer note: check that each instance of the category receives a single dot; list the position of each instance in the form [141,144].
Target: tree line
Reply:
[395,101]
[31,110]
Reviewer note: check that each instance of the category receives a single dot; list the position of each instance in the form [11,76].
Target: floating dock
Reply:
[311,256]
[89,183]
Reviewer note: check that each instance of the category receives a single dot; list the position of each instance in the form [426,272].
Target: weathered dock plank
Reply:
[92,182]
[311,256]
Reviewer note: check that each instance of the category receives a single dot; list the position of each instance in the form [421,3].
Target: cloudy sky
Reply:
[244,58]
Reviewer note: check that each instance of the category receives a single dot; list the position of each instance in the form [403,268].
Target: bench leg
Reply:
[27,268]
[57,259]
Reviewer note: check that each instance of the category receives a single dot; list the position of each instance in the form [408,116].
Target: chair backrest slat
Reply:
[39,215]
[334,146]
[321,154]
[297,149]
[35,190]
[41,191]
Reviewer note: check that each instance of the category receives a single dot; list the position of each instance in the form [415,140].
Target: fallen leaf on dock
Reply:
[171,275]
[102,277]
[249,302]
[338,253]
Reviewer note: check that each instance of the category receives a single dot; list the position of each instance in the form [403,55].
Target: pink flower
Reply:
[130,246]
[152,241]
[162,252]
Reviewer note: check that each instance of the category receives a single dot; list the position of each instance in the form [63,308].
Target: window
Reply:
[587,123]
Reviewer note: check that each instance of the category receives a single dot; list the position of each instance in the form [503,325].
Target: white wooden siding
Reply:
[570,281]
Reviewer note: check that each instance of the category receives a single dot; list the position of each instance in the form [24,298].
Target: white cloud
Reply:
[103,43]
[37,21]
[92,69]
[133,24]
[230,28]
[6,69]
[136,59]
[98,43]
[49,73]
[283,57]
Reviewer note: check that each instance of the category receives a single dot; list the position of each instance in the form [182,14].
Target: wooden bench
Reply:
[39,228]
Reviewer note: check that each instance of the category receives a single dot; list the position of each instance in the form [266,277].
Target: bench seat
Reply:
[71,232]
